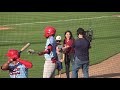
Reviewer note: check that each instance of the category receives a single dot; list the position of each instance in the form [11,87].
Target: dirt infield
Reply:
[109,68]
[117,15]
[4,28]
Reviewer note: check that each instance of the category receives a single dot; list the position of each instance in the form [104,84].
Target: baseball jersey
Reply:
[18,71]
[50,41]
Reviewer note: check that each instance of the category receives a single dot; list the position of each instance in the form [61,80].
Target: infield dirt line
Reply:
[4,28]
[109,68]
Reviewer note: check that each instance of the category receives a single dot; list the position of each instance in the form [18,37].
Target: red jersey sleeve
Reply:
[26,63]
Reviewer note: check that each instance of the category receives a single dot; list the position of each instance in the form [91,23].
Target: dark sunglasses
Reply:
[58,41]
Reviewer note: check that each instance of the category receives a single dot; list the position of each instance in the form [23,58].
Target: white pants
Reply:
[49,69]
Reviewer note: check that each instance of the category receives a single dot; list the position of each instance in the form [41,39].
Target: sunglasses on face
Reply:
[58,41]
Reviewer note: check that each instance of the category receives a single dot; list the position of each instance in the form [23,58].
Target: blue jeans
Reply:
[77,65]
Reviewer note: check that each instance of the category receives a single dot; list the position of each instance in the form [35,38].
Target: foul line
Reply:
[59,20]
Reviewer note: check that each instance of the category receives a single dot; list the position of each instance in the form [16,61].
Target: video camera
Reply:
[89,35]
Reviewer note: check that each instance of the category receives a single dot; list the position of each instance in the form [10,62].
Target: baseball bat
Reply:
[24,48]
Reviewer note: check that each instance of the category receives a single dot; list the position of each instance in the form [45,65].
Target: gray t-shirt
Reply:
[59,53]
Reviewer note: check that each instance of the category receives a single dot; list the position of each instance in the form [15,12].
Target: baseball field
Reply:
[19,28]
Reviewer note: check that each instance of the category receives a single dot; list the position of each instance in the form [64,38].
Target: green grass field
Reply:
[28,27]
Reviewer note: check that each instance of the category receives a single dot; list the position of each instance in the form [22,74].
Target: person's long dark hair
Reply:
[71,36]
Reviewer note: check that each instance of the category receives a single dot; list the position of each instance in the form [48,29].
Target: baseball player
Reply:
[49,53]
[17,67]
[59,55]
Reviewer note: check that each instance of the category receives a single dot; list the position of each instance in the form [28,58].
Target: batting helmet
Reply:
[49,31]
[13,54]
